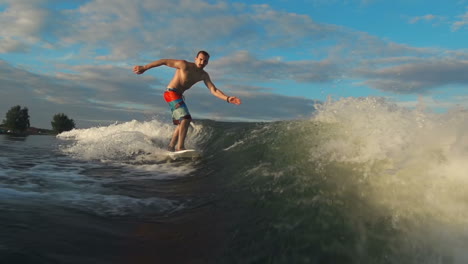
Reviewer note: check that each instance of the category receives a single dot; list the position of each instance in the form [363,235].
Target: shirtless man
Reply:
[186,75]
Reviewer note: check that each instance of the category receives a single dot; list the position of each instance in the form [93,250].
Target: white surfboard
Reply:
[185,154]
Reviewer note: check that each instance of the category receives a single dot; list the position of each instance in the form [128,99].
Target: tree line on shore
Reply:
[17,122]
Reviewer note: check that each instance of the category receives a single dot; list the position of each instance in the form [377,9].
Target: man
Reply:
[186,75]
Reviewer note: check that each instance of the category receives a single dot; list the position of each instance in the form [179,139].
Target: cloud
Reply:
[243,65]
[417,77]
[461,23]
[29,23]
[9,44]
[257,104]
[124,29]
[427,18]
[110,82]
[127,29]
[75,94]
[454,103]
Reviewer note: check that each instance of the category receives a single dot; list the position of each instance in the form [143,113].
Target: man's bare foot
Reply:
[180,149]
[171,149]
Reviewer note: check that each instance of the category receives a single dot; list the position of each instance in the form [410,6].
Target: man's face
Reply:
[201,61]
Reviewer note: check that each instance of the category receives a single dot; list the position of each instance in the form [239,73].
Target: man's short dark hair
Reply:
[204,53]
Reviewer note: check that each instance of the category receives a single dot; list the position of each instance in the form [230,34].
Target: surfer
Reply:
[186,75]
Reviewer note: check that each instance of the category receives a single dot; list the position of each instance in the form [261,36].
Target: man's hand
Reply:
[234,100]
[139,69]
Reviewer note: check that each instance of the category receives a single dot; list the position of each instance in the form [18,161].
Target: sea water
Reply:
[361,181]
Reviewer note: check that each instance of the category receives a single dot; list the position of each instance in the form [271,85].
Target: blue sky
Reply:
[280,57]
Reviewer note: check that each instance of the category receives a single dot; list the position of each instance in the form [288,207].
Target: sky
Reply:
[280,57]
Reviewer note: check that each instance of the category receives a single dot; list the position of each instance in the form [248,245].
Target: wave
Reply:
[360,171]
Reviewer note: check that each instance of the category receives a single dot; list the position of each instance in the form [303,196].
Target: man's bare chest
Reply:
[189,77]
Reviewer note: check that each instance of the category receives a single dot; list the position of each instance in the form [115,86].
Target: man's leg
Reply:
[183,128]
[175,136]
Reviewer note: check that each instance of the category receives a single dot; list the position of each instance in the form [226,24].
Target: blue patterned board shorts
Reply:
[178,107]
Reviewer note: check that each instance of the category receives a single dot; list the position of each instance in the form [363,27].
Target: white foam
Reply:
[412,162]
[129,142]
[371,129]
[237,143]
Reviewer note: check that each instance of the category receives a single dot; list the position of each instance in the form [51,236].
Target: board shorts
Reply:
[178,107]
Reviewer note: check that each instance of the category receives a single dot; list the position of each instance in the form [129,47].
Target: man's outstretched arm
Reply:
[167,62]
[218,93]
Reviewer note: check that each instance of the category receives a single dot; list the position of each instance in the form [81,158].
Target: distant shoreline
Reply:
[27,132]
